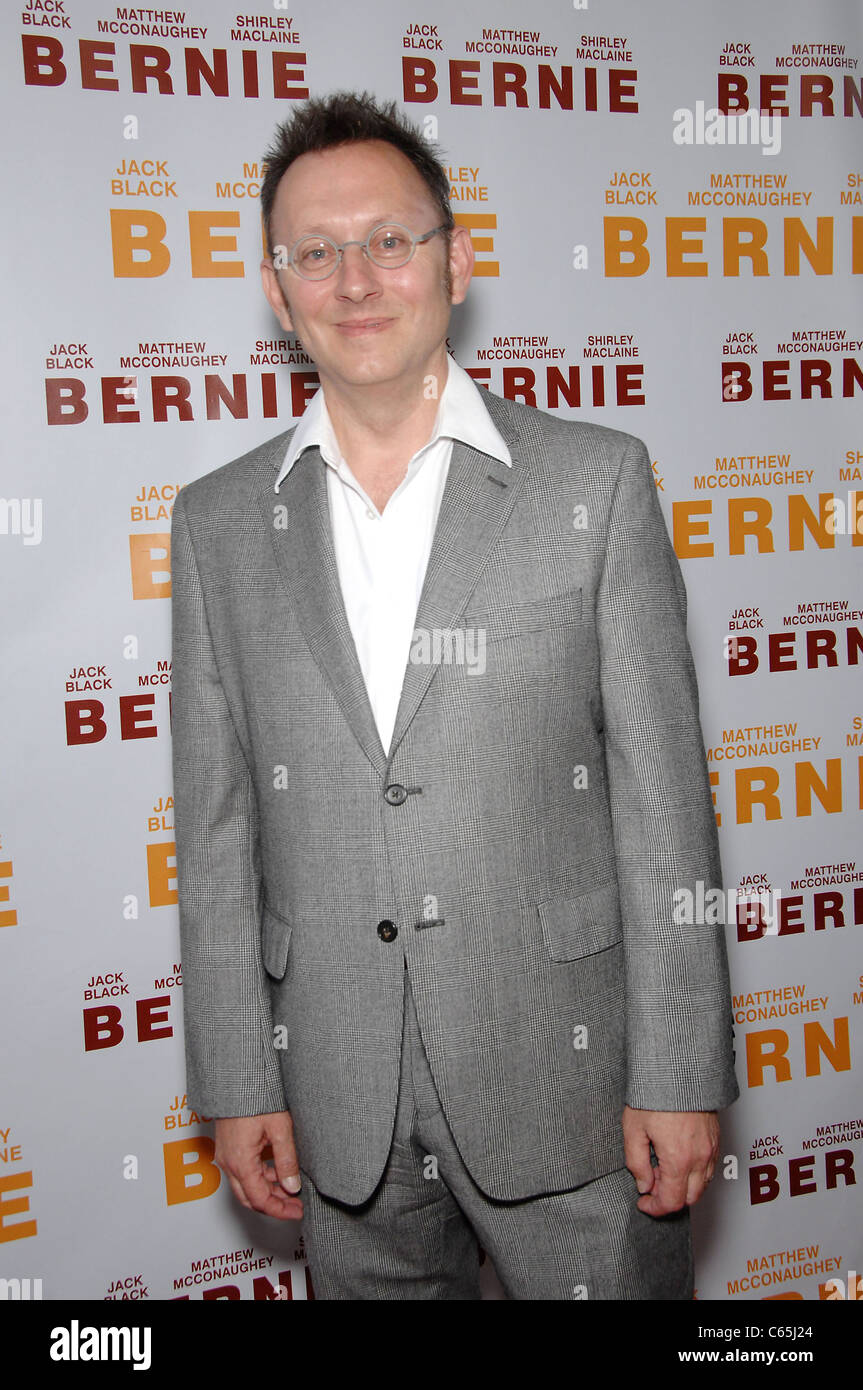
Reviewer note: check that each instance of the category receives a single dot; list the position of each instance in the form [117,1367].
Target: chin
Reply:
[371,373]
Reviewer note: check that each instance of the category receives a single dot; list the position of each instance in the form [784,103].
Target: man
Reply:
[438,775]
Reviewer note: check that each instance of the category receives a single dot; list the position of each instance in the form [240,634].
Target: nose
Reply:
[355,273]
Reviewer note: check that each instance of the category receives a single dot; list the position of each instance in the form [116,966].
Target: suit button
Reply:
[387,931]
[395,794]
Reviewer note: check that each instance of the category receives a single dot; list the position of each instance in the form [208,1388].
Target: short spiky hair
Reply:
[342,119]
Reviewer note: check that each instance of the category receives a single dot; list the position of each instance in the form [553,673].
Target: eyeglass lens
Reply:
[390,245]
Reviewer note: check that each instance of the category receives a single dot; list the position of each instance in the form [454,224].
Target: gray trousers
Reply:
[418,1235]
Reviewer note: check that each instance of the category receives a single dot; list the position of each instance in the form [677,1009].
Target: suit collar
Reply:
[461,416]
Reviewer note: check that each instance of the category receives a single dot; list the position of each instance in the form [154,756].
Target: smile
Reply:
[355,328]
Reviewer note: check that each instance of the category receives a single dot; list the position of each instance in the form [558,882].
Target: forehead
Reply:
[349,184]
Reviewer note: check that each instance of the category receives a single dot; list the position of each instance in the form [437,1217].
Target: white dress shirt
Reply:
[382,556]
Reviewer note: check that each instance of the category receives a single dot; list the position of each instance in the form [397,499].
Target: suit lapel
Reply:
[477,499]
[307,560]
[479,494]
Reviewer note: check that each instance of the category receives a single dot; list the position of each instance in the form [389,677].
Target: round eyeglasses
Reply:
[317,257]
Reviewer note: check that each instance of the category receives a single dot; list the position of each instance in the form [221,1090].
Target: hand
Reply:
[686,1142]
[260,1186]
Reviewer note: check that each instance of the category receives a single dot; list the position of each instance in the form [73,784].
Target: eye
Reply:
[313,253]
[390,241]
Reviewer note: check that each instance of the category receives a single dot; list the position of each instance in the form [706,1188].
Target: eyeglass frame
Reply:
[341,248]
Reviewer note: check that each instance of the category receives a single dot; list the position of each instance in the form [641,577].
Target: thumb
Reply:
[285,1156]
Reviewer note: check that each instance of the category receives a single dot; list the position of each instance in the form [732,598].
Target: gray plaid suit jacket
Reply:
[524,835]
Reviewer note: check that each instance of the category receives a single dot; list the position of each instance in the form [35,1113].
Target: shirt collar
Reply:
[461,415]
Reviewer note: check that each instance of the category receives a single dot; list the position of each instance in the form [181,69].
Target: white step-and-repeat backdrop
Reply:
[666,202]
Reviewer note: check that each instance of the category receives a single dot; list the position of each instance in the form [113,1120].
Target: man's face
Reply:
[365,325]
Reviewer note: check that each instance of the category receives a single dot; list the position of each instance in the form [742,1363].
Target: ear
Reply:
[273,291]
[461,259]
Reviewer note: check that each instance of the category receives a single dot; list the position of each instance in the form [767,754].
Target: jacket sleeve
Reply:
[679,1021]
[232,1066]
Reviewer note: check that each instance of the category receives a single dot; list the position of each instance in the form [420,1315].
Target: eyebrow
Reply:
[373,222]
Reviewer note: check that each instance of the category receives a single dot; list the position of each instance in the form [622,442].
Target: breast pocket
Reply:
[530,636]
[535,615]
[581,925]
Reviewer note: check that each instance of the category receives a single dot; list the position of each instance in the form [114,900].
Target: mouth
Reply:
[355,328]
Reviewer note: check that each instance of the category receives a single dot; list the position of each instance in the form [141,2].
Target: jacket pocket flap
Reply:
[579,926]
[536,615]
[275,939]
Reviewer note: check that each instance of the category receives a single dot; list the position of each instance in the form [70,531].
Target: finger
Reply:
[279,1204]
[669,1192]
[695,1187]
[270,1199]
[264,1196]
[699,1178]
[282,1207]
[277,1190]
[702,1168]
[636,1145]
[253,1187]
[238,1192]
[285,1157]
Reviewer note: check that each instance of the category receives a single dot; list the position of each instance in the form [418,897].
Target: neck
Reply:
[379,430]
